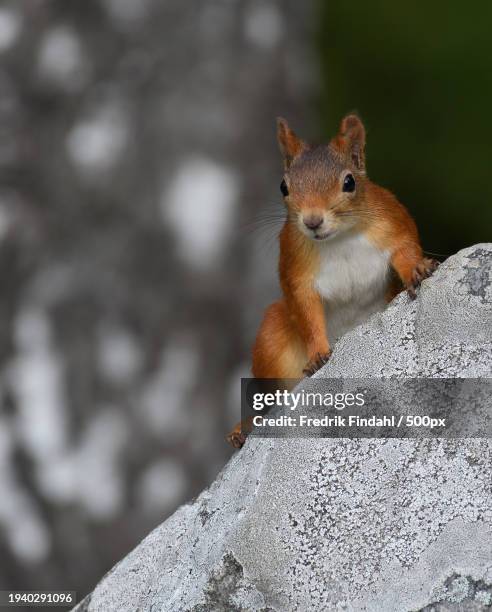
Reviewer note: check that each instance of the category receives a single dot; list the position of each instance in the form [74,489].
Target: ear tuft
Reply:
[352,138]
[290,145]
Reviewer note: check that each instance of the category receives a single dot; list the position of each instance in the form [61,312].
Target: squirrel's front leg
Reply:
[306,308]
[412,267]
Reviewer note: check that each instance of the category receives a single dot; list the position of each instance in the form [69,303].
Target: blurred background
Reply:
[139,206]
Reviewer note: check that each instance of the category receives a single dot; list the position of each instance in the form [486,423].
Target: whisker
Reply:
[264,219]
[264,228]
[437,254]
[360,215]
[265,238]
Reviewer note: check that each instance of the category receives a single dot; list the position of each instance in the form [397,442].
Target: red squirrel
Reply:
[347,248]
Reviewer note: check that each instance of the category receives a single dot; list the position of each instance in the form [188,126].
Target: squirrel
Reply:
[347,248]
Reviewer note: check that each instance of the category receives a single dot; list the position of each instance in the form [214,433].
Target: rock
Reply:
[342,524]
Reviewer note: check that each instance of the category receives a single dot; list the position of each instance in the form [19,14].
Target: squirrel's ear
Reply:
[290,145]
[351,139]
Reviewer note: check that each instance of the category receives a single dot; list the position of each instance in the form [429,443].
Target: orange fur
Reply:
[293,332]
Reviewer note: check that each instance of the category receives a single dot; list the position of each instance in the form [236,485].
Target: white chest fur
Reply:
[352,280]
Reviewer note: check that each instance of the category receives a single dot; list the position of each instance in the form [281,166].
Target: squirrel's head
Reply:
[323,185]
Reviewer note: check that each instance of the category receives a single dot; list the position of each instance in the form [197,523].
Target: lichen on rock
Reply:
[380,525]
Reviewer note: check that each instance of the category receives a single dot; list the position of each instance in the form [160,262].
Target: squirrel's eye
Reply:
[349,183]
[284,189]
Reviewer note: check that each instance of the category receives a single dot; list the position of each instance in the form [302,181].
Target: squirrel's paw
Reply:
[315,364]
[422,270]
[236,438]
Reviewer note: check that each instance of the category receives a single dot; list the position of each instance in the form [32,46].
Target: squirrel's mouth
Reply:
[325,235]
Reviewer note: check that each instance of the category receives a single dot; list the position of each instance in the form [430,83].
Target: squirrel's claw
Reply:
[315,364]
[422,270]
[236,438]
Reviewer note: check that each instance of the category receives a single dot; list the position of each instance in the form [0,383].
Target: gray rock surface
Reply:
[340,524]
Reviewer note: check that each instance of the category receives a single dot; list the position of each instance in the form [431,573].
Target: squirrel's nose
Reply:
[313,221]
